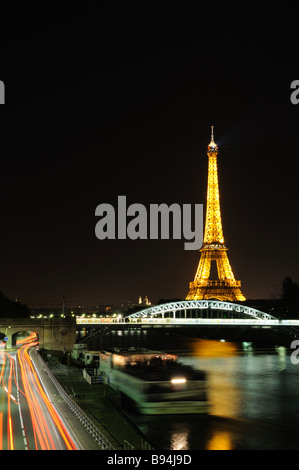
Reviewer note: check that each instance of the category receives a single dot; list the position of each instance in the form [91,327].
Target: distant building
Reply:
[145,301]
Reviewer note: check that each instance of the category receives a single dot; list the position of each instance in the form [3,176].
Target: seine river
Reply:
[253,393]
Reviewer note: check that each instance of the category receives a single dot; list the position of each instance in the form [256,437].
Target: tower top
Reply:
[212,146]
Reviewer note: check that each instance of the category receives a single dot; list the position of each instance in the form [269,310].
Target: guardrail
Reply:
[92,429]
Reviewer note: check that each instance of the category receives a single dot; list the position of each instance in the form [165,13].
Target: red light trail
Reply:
[28,419]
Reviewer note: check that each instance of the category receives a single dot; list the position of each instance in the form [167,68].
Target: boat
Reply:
[154,382]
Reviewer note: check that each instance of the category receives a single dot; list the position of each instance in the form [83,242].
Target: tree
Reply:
[290,298]
[10,308]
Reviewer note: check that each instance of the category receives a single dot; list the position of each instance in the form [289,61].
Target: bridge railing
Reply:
[205,321]
[202,321]
[98,321]
[216,321]
[92,429]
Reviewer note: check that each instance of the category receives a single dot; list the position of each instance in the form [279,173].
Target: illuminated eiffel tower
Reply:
[226,288]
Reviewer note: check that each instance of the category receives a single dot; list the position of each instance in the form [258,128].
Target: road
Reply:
[28,419]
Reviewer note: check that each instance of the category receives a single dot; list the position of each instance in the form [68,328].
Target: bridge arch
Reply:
[206,307]
[53,333]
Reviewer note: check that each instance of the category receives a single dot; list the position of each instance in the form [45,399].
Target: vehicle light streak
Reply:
[27,339]
[1,430]
[7,389]
[9,423]
[47,430]
[43,437]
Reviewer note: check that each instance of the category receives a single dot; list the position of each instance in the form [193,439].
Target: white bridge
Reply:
[200,312]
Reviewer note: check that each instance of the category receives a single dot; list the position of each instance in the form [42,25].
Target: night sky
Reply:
[119,101]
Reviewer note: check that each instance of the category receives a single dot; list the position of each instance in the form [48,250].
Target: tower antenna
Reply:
[212,133]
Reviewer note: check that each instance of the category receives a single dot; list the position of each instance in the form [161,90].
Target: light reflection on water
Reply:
[247,385]
[179,438]
[253,396]
[220,441]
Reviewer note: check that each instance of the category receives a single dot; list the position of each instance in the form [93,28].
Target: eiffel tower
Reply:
[226,288]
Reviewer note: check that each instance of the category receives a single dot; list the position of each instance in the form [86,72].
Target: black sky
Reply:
[111,101]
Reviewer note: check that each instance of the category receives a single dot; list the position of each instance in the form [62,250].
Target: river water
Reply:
[253,393]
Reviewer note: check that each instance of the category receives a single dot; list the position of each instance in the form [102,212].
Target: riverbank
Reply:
[99,402]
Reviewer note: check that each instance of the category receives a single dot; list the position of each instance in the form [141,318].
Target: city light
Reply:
[180,380]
